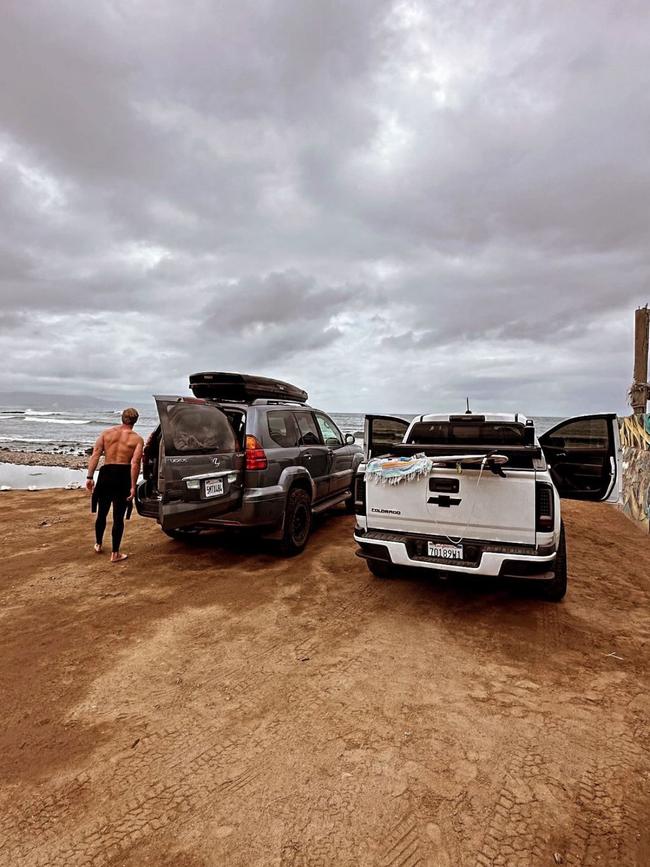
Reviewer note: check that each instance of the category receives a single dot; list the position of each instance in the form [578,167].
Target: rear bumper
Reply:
[260,507]
[511,561]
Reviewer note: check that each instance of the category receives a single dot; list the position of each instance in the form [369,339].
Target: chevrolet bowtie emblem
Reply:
[444,501]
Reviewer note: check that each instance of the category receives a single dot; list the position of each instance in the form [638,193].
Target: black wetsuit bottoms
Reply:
[112,489]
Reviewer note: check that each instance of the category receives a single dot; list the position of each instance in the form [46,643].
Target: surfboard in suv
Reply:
[488,499]
[244,452]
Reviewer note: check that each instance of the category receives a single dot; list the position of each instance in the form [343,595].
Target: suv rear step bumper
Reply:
[260,507]
[490,559]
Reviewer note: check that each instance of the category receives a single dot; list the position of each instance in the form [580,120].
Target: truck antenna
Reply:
[468,411]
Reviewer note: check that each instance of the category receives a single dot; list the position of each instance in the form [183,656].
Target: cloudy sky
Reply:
[393,204]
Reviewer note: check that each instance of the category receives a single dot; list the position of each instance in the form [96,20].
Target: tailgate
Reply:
[471,505]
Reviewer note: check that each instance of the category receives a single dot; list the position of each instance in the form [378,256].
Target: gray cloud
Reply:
[392,203]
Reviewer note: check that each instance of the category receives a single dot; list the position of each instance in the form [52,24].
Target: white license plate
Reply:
[445,552]
[214,488]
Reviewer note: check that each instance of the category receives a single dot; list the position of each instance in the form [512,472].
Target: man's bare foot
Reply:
[117,558]
[98,548]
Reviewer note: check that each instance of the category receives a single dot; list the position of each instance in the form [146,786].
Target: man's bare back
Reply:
[120,444]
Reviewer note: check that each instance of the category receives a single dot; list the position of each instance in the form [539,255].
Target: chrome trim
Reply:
[215,475]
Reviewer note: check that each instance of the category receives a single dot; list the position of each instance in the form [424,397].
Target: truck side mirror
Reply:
[349,439]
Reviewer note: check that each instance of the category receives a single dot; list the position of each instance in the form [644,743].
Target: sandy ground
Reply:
[215,705]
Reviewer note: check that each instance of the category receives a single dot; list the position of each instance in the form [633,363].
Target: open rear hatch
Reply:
[201,467]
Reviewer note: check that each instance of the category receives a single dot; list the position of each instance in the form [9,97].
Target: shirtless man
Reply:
[122,450]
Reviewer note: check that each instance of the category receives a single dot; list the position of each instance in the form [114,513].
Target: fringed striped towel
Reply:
[392,471]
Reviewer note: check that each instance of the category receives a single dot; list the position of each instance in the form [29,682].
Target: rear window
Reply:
[309,435]
[196,428]
[283,429]
[439,433]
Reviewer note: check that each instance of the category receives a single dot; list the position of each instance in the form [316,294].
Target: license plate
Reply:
[214,487]
[445,552]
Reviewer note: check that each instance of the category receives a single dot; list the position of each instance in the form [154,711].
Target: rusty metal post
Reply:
[639,390]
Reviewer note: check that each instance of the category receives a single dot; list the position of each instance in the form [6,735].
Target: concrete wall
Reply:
[635,440]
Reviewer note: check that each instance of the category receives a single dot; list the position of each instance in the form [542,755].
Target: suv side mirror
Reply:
[349,439]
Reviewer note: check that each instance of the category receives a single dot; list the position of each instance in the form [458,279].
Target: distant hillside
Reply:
[42,400]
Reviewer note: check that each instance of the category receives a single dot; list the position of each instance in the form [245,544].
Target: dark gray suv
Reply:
[231,457]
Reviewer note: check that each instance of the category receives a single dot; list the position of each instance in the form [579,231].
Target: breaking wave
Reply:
[50,420]
[40,412]
[25,440]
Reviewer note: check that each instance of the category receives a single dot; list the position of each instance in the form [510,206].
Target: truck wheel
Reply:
[555,589]
[297,522]
[349,503]
[380,568]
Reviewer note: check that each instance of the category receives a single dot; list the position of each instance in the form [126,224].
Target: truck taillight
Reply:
[544,516]
[359,493]
[255,454]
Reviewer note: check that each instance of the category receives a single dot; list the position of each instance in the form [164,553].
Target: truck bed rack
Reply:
[519,457]
[455,448]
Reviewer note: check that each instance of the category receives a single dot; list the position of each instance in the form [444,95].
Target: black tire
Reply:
[297,522]
[555,589]
[183,534]
[349,503]
[380,568]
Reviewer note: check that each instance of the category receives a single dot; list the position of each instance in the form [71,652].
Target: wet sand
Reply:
[38,477]
[212,704]
[43,459]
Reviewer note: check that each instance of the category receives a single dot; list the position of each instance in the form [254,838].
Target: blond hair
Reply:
[130,416]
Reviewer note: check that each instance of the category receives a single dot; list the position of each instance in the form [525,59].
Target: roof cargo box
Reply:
[243,388]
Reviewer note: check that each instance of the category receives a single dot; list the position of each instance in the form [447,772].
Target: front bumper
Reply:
[482,557]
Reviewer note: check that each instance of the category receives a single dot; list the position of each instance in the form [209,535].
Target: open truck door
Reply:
[381,433]
[201,469]
[583,454]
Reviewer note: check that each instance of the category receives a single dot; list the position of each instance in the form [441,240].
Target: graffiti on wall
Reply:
[635,442]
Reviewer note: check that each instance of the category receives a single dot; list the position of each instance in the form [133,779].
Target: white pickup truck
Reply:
[487,500]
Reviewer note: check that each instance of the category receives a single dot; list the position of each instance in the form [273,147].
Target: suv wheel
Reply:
[555,589]
[183,534]
[297,522]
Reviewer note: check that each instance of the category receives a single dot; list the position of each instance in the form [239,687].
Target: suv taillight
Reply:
[544,517]
[359,494]
[255,454]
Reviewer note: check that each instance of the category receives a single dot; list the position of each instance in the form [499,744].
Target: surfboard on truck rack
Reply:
[243,388]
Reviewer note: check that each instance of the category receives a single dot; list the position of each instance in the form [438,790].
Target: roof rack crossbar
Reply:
[268,401]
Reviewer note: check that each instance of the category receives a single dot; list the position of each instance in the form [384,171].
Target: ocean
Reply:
[73,432]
